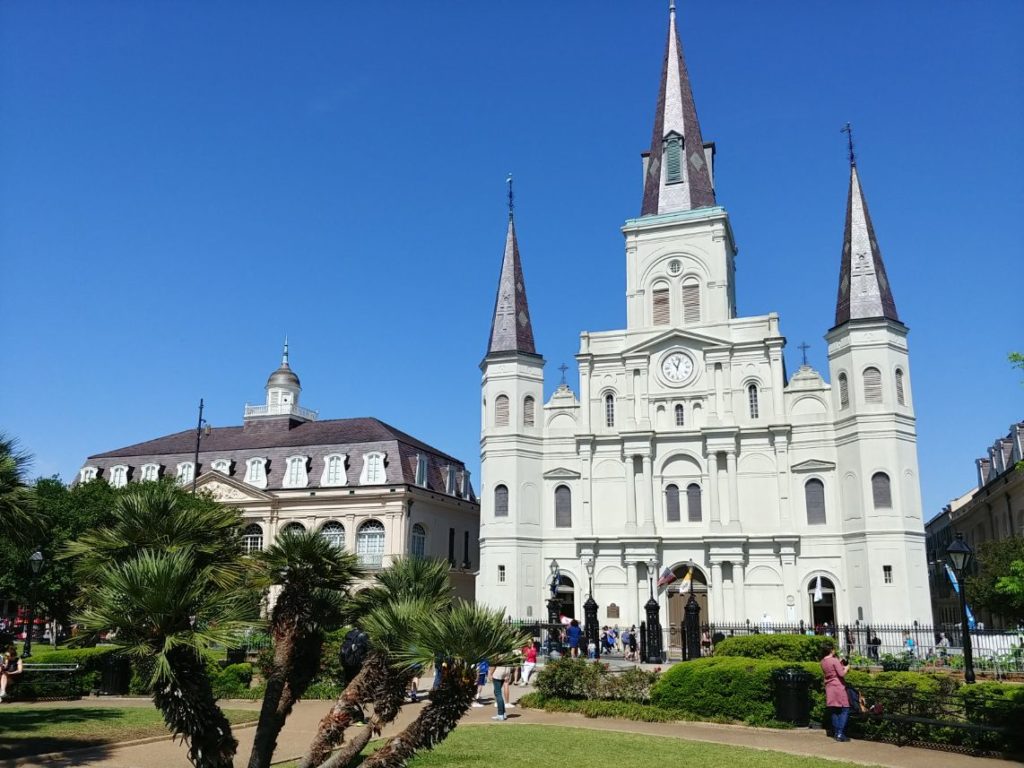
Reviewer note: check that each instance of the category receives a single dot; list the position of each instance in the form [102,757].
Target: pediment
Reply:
[813,465]
[674,336]
[224,488]
[561,474]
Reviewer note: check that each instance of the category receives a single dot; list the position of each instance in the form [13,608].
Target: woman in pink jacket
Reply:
[836,699]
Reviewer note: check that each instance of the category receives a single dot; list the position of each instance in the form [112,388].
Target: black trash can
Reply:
[792,696]
[115,675]
[235,656]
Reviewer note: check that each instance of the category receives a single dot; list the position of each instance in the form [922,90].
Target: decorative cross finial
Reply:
[804,347]
[284,355]
[511,201]
[672,7]
[848,130]
[563,368]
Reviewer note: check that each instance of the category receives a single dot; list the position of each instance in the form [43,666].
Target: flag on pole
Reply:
[956,588]
[556,579]
[666,578]
[687,580]
[817,589]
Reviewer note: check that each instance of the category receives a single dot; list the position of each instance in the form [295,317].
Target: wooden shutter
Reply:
[563,507]
[501,411]
[672,504]
[814,496]
[528,402]
[691,303]
[693,505]
[673,160]
[662,314]
[844,391]
[872,385]
[501,501]
[900,397]
[881,492]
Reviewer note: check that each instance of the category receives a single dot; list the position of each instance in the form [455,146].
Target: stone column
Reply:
[717,595]
[713,399]
[585,483]
[775,359]
[716,512]
[782,473]
[632,603]
[648,493]
[734,499]
[585,395]
[725,383]
[739,591]
[630,493]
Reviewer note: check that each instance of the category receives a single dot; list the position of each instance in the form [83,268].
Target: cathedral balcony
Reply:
[284,409]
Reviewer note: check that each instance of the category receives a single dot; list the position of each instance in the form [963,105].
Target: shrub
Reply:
[569,678]
[232,682]
[779,647]
[81,682]
[634,685]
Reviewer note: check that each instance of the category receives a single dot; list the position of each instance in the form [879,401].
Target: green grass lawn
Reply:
[528,746]
[34,730]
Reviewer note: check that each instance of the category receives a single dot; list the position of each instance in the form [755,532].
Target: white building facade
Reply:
[689,446]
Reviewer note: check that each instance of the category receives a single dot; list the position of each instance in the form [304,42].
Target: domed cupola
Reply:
[284,378]
[283,390]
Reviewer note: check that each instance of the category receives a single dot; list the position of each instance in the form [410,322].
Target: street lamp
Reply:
[35,562]
[553,609]
[199,435]
[653,611]
[590,607]
[651,565]
[960,554]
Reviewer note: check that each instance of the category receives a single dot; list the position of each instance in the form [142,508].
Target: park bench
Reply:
[983,725]
[45,682]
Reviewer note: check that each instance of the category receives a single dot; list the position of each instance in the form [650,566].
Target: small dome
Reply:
[283,377]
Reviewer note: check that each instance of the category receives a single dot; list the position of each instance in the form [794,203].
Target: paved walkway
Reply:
[301,726]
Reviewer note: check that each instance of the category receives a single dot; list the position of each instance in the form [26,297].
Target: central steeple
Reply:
[677,172]
[511,330]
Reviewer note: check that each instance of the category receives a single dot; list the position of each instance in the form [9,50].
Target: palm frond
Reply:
[408,578]
[20,517]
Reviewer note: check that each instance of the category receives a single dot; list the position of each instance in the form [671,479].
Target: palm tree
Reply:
[313,577]
[19,514]
[165,607]
[379,682]
[462,636]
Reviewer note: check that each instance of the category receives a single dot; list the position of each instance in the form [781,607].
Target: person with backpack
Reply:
[354,649]
[836,699]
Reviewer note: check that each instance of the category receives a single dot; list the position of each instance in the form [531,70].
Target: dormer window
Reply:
[119,476]
[256,472]
[334,470]
[222,465]
[449,480]
[87,474]
[295,475]
[673,159]
[465,485]
[373,469]
[421,470]
[185,472]
[150,473]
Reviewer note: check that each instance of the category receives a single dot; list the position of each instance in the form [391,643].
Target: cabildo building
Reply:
[689,442]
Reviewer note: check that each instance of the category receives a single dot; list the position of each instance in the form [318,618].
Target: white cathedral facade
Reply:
[688,446]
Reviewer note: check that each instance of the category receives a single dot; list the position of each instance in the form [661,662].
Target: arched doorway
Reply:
[677,594]
[566,597]
[821,597]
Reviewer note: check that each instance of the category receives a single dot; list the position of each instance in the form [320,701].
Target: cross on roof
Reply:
[511,200]
[563,368]
[804,347]
[848,130]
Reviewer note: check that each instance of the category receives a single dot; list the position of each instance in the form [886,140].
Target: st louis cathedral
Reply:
[689,445]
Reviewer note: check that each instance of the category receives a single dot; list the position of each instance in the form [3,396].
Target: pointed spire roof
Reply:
[284,376]
[511,329]
[864,290]
[676,114]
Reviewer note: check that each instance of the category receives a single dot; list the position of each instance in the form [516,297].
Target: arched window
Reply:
[680,416]
[87,475]
[501,411]
[563,507]
[119,476]
[609,410]
[528,408]
[334,470]
[373,469]
[418,544]
[881,492]
[252,538]
[222,465]
[693,503]
[293,528]
[691,301]
[814,498]
[672,503]
[295,475]
[755,410]
[334,533]
[844,391]
[185,472]
[151,472]
[872,385]
[501,501]
[370,544]
[256,472]
[674,159]
[901,398]
[661,310]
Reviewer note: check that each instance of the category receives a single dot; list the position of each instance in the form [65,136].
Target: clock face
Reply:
[677,367]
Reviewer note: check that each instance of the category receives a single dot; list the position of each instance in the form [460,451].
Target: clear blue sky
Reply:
[183,183]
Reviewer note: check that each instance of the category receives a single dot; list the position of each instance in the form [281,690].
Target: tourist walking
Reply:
[634,654]
[11,666]
[499,677]
[529,662]
[873,645]
[482,668]
[573,635]
[836,699]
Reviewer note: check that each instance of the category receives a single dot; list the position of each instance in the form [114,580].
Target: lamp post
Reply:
[554,641]
[199,434]
[35,562]
[653,611]
[590,607]
[960,554]
[691,621]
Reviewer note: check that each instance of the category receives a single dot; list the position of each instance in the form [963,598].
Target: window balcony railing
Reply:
[371,560]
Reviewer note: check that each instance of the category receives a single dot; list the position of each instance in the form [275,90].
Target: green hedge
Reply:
[646,713]
[778,647]
[231,682]
[35,685]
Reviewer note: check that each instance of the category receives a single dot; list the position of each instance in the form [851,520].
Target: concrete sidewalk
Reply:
[301,726]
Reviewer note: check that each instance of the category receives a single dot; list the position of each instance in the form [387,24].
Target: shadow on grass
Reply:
[18,726]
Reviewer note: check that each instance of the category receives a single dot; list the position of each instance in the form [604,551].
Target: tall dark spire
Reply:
[864,290]
[511,330]
[677,177]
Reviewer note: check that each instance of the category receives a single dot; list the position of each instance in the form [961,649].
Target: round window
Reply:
[675,267]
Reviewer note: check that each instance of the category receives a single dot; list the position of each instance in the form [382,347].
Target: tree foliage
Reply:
[996,561]
[20,518]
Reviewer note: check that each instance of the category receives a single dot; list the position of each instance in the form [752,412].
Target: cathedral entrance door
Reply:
[677,595]
[566,597]
[821,596]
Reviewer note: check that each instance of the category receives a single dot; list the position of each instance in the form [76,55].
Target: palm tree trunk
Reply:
[447,706]
[360,690]
[190,711]
[386,706]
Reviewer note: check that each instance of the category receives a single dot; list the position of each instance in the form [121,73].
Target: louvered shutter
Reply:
[691,303]
[501,501]
[528,411]
[693,505]
[814,496]
[662,314]
[672,504]
[844,391]
[881,492]
[900,397]
[673,160]
[872,385]
[563,507]
[501,411]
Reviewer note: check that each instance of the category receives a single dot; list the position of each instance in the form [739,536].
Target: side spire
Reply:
[677,176]
[864,290]
[511,329]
